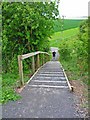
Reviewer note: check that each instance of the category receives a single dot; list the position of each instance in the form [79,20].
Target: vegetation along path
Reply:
[47,95]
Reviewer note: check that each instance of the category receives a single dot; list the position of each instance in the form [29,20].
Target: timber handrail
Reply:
[22,57]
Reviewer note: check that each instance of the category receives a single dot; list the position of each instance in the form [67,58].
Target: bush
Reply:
[74,53]
[26,28]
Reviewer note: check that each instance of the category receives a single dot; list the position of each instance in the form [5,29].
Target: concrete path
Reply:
[46,96]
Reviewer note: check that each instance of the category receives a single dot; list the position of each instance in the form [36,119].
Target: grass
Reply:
[8,87]
[57,40]
[68,40]
[58,36]
[68,24]
[70,69]
[0,87]
[10,83]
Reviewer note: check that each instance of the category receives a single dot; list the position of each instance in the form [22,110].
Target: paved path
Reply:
[46,96]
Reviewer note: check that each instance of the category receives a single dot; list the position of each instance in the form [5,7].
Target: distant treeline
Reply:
[67,24]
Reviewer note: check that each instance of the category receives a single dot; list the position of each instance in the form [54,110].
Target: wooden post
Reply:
[38,62]
[33,64]
[20,69]
[48,57]
[43,59]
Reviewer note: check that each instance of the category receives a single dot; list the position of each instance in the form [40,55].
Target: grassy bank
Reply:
[57,37]
[9,82]
[11,85]
[70,49]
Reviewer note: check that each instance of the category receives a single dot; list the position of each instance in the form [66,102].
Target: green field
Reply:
[67,24]
[58,36]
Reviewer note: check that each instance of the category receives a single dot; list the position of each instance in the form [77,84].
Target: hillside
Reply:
[67,24]
[58,36]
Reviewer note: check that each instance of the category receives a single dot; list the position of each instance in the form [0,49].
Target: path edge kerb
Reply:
[31,77]
[69,85]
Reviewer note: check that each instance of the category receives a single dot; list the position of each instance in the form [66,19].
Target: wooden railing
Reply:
[22,57]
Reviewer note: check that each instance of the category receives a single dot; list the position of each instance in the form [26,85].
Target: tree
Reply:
[26,28]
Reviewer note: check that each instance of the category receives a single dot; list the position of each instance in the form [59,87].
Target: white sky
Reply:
[73,8]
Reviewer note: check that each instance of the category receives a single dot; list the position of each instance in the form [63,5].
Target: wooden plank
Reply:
[33,64]
[45,53]
[20,69]
[49,81]
[54,77]
[69,85]
[48,86]
[29,55]
[51,72]
[32,54]
[43,59]
[51,75]
[38,62]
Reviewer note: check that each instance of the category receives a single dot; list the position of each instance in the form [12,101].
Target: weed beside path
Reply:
[9,83]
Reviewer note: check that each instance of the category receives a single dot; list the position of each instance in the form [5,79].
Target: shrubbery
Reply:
[26,28]
[74,52]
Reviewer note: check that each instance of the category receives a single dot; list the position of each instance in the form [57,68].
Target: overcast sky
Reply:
[73,8]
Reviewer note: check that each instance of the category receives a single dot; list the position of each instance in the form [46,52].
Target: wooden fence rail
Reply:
[22,57]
